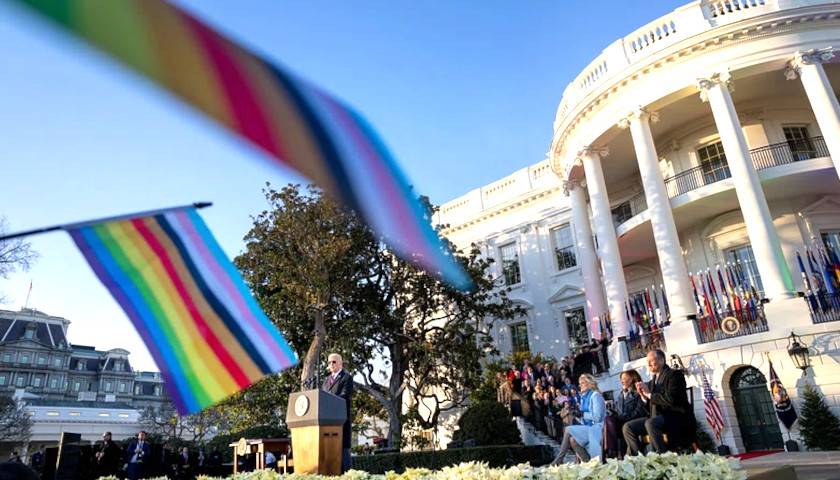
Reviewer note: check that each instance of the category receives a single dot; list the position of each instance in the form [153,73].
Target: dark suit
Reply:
[627,406]
[668,412]
[137,468]
[109,461]
[342,386]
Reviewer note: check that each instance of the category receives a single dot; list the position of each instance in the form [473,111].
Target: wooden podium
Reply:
[316,418]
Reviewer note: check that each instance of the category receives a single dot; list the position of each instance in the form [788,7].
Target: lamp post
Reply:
[677,364]
[798,353]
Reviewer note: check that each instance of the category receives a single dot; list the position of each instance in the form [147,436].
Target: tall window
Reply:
[108,386]
[800,143]
[564,247]
[36,381]
[576,327]
[7,357]
[57,361]
[622,212]
[713,163]
[42,359]
[20,380]
[122,387]
[24,358]
[53,383]
[2,379]
[510,264]
[831,240]
[749,269]
[77,385]
[519,337]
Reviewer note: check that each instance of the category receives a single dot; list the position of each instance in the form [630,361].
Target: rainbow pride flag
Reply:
[206,332]
[294,122]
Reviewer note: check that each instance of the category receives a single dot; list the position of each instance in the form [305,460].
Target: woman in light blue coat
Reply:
[585,438]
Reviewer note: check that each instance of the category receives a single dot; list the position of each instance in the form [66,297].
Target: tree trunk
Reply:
[394,425]
[313,355]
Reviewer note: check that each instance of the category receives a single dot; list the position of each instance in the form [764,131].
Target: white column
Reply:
[771,263]
[616,289]
[808,67]
[669,251]
[587,259]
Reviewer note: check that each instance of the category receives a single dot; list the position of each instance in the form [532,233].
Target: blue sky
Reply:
[463,92]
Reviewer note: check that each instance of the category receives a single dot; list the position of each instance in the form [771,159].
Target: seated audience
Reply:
[585,438]
[667,406]
[627,406]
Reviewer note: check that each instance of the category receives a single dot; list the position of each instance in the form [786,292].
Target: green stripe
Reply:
[131,270]
[119,28]
[56,10]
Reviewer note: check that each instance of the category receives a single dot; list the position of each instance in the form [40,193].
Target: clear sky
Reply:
[464,92]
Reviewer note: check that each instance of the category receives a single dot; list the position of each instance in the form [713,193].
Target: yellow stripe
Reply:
[185,70]
[216,324]
[116,27]
[202,366]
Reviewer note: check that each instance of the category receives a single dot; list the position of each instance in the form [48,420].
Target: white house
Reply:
[707,140]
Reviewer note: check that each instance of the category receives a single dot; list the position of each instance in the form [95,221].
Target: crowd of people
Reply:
[567,405]
[139,459]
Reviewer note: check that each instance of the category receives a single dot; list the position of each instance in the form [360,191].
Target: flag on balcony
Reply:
[191,307]
[296,124]
[714,417]
[781,401]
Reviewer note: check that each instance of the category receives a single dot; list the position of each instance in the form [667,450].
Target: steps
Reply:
[532,436]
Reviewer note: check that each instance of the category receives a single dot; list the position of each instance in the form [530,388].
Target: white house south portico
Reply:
[695,159]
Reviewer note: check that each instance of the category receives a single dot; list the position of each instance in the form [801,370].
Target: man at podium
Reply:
[340,383]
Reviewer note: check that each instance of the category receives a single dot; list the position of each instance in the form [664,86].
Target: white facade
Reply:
[710,134]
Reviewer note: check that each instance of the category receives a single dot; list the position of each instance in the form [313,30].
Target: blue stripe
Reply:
[231,323]
[145,320]
[239,283]
[451,270]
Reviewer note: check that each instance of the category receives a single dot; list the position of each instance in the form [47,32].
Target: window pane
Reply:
[713,163]
[743,256]
[564,248]
[576,326]
[510,264]
[519,337]
[800,143]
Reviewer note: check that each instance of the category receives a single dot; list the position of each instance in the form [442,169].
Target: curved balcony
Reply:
[687,181]
[764,157]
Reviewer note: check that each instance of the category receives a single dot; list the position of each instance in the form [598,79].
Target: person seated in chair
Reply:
[627,406]
[585,438]
[668,409]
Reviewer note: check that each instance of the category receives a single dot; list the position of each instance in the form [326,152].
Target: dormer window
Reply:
[118,366]
[29,333]
[82,365]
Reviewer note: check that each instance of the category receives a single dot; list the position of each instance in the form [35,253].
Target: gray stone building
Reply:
[37,361]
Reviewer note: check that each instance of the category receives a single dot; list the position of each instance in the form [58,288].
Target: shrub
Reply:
[487,423]
[820,428]
[494,456]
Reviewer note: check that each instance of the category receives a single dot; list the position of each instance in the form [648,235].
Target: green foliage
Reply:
[494,456]
[819,427]
[486,391]
[330,285]
[488,423]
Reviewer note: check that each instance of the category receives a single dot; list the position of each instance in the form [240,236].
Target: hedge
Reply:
[495,456]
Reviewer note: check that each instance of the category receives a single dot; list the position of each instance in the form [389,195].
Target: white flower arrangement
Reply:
[670,466]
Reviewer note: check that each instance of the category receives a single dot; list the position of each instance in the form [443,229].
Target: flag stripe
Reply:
[192,309]
[129,297]
[282,115]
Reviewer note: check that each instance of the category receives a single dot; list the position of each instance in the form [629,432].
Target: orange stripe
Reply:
[185,69]
[219,329]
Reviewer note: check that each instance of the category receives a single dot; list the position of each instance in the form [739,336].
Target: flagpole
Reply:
[67,226]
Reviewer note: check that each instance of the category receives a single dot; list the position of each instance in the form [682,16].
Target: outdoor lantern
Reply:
[798,353]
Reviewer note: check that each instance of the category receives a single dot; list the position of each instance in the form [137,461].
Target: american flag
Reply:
[713,416]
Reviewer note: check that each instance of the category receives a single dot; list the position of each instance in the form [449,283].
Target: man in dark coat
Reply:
[136,457]
[37,460]
[340,383]
[107,457]
[668,409]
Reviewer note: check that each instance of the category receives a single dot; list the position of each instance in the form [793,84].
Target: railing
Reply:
[749,321]
[635,205]
[763,157]
[824,307]
[639,345]
[788,152]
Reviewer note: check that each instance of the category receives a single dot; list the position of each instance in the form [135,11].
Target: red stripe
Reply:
[206,332]
[252,121]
